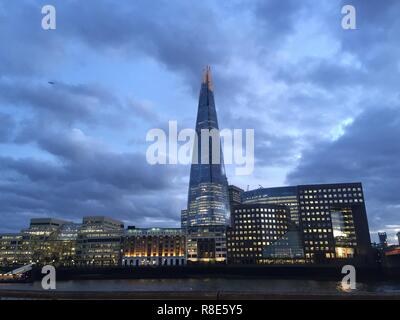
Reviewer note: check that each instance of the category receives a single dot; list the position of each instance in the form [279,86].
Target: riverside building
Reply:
[286,196]
[334,222]
[99,242]
[154,247]
[207,244]
[263,234]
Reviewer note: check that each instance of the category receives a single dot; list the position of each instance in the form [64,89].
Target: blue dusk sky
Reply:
[323,101]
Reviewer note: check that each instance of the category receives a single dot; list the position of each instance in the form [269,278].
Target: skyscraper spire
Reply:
[207,80]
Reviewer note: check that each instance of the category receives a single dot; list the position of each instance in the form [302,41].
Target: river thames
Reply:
[266,286]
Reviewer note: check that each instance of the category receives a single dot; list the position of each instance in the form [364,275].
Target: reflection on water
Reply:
[212,284]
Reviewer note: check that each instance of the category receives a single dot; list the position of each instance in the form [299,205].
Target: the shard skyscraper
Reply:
[208,201]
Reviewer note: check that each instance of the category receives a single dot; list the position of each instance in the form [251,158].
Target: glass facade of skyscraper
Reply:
[208,202]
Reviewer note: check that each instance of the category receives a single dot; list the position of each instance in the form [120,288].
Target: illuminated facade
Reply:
[334,222]
[37,241]
[99,242]
[286,196]
[63,244]
[263,234]
[208,202]
[42,243]
[207,244]
[11,249]
[154,247]
[208,211]
[184,219]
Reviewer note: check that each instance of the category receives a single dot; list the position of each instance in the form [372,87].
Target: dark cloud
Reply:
[278,18]
[26,49]
[183,37]
[61,102]
[87,179]
[7,126]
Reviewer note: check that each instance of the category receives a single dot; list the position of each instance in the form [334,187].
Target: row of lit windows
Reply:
[328,255]
[255,210]
[244,255]
[332,201]
[316,219]
[316,242]
[318,248]
[335,195]
[260,215]
[343,189]
[316,213]
[264,226]
[258,231]
[317,230]
[255,238]
[154,254]
[277,219]
[246,249]
[238,246]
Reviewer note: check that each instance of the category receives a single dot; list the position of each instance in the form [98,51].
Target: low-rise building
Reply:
[154,247]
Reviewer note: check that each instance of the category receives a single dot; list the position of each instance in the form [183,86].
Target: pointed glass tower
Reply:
[208,201]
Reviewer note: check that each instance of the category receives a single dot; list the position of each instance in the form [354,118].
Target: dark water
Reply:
[238,285]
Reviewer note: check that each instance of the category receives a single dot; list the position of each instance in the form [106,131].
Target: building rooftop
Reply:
[47,221]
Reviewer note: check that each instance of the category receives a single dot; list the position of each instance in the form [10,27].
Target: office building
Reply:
[206,244]
[10,249]
[35,244]
[235,196]
[334,222]
[99,242]
[286,196]
[154,247]
[263,234]
[36,241]
[63,244]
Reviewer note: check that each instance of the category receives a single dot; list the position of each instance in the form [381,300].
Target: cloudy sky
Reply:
[324,102]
